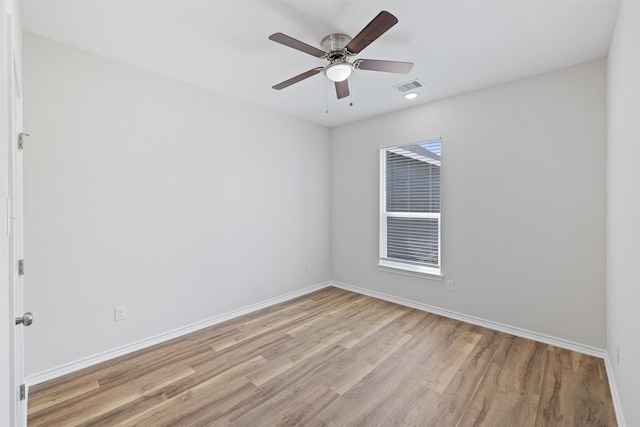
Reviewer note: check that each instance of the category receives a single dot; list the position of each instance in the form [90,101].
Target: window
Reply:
[410,233]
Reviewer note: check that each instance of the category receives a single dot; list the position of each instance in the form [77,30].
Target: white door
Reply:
[16,228]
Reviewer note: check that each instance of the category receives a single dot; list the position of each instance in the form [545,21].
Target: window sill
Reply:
[414,271]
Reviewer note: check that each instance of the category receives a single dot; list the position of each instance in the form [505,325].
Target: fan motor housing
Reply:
[334,44]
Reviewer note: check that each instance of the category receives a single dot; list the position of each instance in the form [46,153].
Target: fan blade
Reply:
[386,66]
[342,89]
[374,29]
[297,78]
[297,44]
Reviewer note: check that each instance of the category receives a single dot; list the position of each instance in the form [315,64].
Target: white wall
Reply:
[623,208]
[141,190]
[523,203]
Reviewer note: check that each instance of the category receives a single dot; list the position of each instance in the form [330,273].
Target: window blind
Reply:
[410,214]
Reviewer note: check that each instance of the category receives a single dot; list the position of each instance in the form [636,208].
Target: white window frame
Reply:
[386,264]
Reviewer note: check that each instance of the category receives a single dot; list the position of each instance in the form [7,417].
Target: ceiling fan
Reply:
[338,48]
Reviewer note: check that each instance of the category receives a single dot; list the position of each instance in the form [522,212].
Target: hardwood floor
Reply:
[334,358]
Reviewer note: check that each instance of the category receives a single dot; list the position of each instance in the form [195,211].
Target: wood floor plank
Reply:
[122,412]
[410,367]
[421,405]
[252,330]
[61,393]
[152,362]
[510,390]
[297,404]
[334,358]
[180,407]
[457,353]
[222,361]
[574,391]
[85,407]
[321,331]
[415,403]
[364,328]
[342,373]
[301,355]
[352,376]
[292,376]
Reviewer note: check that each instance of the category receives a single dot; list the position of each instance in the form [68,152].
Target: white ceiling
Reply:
[222,45]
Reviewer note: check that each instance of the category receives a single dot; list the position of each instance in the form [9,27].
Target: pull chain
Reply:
[326,109]
[351,92]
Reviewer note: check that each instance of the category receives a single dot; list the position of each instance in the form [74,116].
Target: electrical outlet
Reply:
[120,312]
[618,353]
[451,286]
[309,267]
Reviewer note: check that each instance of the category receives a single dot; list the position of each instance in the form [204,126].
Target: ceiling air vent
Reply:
[406,87]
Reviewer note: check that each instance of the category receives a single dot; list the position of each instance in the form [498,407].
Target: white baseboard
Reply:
[166,336]
[535,336]
[615,397]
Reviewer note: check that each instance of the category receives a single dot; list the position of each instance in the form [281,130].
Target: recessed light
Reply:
[411,95]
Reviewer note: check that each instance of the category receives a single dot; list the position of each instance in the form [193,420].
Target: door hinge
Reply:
[23,393]
[21,136]
[21,267]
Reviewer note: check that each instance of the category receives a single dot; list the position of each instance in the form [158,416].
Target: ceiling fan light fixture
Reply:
[338,48]
[338,71]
